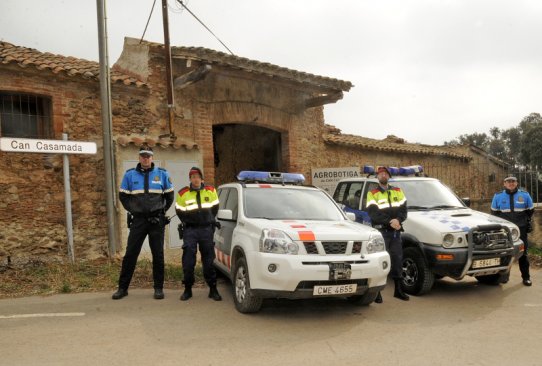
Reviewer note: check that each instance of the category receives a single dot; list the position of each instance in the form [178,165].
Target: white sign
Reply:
[327,178]
[46,146]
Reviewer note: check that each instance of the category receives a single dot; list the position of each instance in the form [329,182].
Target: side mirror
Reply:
[225,215]
[351,216]
[466,201]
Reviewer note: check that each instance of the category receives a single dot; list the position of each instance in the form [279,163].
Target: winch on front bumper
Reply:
[490,250]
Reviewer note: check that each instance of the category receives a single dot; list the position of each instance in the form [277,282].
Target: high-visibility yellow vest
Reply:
[197,206]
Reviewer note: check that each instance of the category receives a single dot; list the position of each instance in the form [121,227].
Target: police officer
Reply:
[197,206]
[146,192]
[516,205]
[387,208]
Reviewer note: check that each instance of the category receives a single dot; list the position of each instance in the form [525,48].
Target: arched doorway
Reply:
[241,147]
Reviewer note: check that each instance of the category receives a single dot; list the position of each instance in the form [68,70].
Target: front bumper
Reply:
[296,275]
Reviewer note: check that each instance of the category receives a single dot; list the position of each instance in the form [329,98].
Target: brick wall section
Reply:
[32,208]
[32,214]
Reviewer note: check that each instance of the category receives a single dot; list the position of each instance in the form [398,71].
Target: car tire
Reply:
[244,298]
[417,278]
[363,300]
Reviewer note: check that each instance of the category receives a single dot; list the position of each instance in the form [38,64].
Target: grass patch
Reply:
[40,278]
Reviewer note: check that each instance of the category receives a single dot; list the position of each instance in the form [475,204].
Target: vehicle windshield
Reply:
[290,204]
[428,194]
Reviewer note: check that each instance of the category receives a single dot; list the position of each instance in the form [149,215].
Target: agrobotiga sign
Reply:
[46,146]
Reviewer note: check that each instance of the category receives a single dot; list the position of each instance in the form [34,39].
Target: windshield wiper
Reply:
[417,207]
[441,207]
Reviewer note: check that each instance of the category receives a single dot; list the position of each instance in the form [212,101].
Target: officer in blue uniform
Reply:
[146,192]
[516,205]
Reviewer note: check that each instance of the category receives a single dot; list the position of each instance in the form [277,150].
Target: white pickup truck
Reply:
[279,239]
[442,237]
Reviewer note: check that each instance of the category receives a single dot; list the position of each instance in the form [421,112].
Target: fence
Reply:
[480,180]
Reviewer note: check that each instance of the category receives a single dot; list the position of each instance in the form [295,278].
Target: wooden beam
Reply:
[191,77]
[323,99]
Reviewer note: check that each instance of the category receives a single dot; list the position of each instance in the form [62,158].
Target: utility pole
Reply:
[169,76]
[105,96]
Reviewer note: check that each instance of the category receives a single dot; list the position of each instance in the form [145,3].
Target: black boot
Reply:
[399,291]
[187,293]
[378,299]
[119,294]
[158,293]
[213,294]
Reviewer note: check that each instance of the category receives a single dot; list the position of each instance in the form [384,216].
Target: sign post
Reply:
[64,147]
[68,202]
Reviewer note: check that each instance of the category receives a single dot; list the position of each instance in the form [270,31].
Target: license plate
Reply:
[482,263]
[334,289]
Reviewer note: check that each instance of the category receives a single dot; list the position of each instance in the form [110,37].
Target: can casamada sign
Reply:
[327,178]
[46,146]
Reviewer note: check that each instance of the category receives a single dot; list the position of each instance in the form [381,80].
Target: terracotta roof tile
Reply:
[391,144]
[157,141]
[211,56]
[28,57]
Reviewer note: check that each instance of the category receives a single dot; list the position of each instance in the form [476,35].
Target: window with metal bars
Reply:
[25,116]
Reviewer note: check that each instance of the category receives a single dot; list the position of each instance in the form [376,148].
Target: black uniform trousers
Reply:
[394,246]
[523,261]
[141,227]
[202,235]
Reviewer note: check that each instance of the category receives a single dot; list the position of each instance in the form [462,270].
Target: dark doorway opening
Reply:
[241,147]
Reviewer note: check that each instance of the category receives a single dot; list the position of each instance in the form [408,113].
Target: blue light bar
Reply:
[410,170]
[394,171]
[271,177]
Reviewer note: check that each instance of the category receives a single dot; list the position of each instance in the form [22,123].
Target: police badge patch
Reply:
[157,179]
[206,199]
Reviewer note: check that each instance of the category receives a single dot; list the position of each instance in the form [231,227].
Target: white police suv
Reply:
[279,239]
[443,236]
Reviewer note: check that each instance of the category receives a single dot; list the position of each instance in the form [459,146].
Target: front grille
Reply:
[335,247]
[310,247]
[356,248]
[490,240]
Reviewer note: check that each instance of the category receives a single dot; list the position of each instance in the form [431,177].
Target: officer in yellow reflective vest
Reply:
[387,208]
[197,206]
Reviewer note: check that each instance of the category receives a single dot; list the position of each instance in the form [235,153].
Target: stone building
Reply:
[230,114]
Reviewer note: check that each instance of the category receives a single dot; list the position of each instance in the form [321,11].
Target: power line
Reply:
[210,31]
[148,20]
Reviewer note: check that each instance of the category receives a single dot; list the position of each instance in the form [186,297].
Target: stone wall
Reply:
[32,213]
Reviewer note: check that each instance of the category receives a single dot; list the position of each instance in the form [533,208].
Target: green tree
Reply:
[530,141]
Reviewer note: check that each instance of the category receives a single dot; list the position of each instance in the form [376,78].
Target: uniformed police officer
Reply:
[516,205]
[197,206]
[387,208]
[146,192]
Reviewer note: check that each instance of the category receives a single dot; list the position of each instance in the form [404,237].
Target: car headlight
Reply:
[277,242]
[376,243]
[448,240]
[515,234]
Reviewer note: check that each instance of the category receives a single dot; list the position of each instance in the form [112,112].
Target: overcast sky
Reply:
[426,71]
